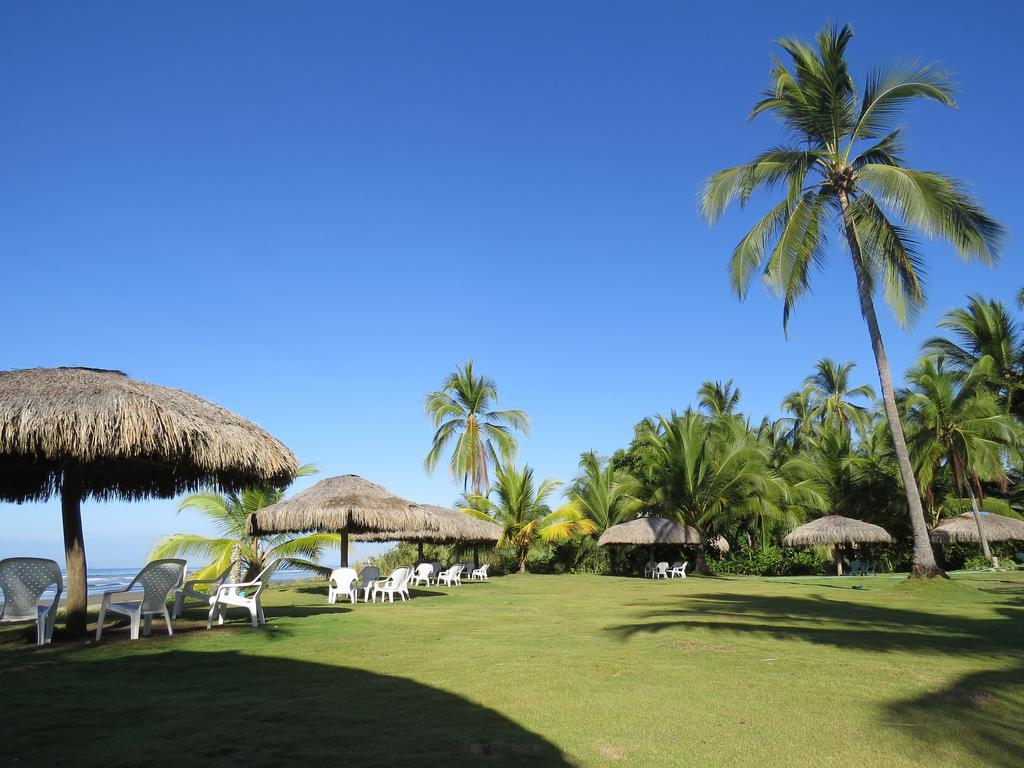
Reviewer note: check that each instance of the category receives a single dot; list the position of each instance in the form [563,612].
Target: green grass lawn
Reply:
[547,670]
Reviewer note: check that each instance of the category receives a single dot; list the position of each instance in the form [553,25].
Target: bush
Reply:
[767,561]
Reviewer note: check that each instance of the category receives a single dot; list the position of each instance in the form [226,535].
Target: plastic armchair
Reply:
[480,573]
[424,572]
[367,577]
[660,571]
[245,594]
[678,570]
[649,568]
[396,583]
[23,580]
[342,583]
[188,590]
[158,579]
[452,577]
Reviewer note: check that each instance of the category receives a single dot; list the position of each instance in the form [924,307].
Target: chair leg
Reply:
[167,620]
[147,625]
[135,626]
[179,601]
[253,614]
[209,618]
[259,611]
[100,619]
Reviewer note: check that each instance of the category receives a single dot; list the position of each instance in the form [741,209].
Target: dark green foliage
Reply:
[768,561]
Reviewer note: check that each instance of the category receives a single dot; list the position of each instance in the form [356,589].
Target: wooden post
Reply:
[419,552]
[476,556]
[74,549]
[344,550]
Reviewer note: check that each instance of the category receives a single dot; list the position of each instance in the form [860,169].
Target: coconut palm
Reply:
[462,412]
[845,172]
[602,492]
[520,508]
[799,424]
[718,398]
[957,424]
[832,397]
[227,512]
[985,328]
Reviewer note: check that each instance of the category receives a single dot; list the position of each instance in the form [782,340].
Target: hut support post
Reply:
[74,549]
[344,550]
[982,537]
[419,551]
[476,556]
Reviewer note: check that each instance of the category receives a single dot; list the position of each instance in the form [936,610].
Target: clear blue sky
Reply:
[309,212]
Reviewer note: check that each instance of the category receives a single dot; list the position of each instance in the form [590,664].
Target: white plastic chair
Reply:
[424,572]
[452,577]
[396,583]
[481,572]
[243,595]
[341,583]
[660,571]
[437,569]
[678,570]
[188,590]
[367,576]
[158,579]
[649,569]
[23,580]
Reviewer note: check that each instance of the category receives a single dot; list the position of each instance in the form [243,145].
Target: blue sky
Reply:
[308,213]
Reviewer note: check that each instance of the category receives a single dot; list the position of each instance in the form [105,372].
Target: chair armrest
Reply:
[110,593]
[240,585]
[191,582]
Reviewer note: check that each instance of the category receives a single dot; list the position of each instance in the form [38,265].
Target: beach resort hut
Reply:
[651,531]
[89,433]
[346,504]
[452,527]
[837,531]
[964,529]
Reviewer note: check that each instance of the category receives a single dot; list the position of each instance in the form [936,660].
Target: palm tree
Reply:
[985,328]
[799,424]
[832,397]
[463,411]
[845,170]
[958,424]
[227,512]
[718,398]
[602,492]
[521,509]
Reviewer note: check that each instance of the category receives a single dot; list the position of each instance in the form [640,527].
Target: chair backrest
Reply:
[436,566]
[369,573]
[267,572]
[661,568]
[424,569]
[221,578]
[456,569]
[677,564]
[399,575]
[343,578]
[483,568]
[158,579]
[23,580]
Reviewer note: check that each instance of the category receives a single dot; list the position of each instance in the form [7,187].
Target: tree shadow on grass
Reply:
[226,708]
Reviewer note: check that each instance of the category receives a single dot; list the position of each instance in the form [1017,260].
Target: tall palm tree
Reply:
[718,398]
[602,492]
[463,411]
[958,424]
[832,396]
[845,171]
[227,512]
[521,509]
[985,328]
[799,423]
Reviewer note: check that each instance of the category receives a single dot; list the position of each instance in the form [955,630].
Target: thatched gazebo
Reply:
[453,527]
[963,529]
[650,531]
[346,504]
[90,433]
[837,531]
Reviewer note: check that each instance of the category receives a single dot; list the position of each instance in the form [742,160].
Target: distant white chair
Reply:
[678,570]
[188,590]
[243,595]
[342,582]
[649,569]
[367,576]
[423,572]
[480,573]
[23,580]
[157,580]
[660,571]
[396,583]
[452,577]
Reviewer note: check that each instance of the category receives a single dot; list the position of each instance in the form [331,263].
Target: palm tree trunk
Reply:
[343,550]
[924,565]
[982,537]
[74,550]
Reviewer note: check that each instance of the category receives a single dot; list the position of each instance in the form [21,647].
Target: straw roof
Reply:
[836,529]
[128,438]
[963,529]
[452,526]
[650,530]
[343,504]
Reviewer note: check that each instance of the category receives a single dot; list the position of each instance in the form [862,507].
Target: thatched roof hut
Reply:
[345,504]
[650,531]
[453,526]
[96,433]
[963,529]
[836,529]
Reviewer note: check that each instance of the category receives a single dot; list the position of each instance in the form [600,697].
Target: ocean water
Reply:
[99,580]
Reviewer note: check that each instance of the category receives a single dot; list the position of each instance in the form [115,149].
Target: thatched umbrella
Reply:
[89,433]
[651,531]
[838,531]
[345,504]
[453,527]
[964,529]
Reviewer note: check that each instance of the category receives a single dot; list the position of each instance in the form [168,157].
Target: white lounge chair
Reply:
[367,576]
[423,572]
[244,595]
[396,583]
[188,590]
[342,583]
[481,572]
[678,570]
[158,580]
[660,571]
[23,580]
[452,577]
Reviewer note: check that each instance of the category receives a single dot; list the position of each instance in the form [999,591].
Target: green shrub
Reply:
[767,561]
